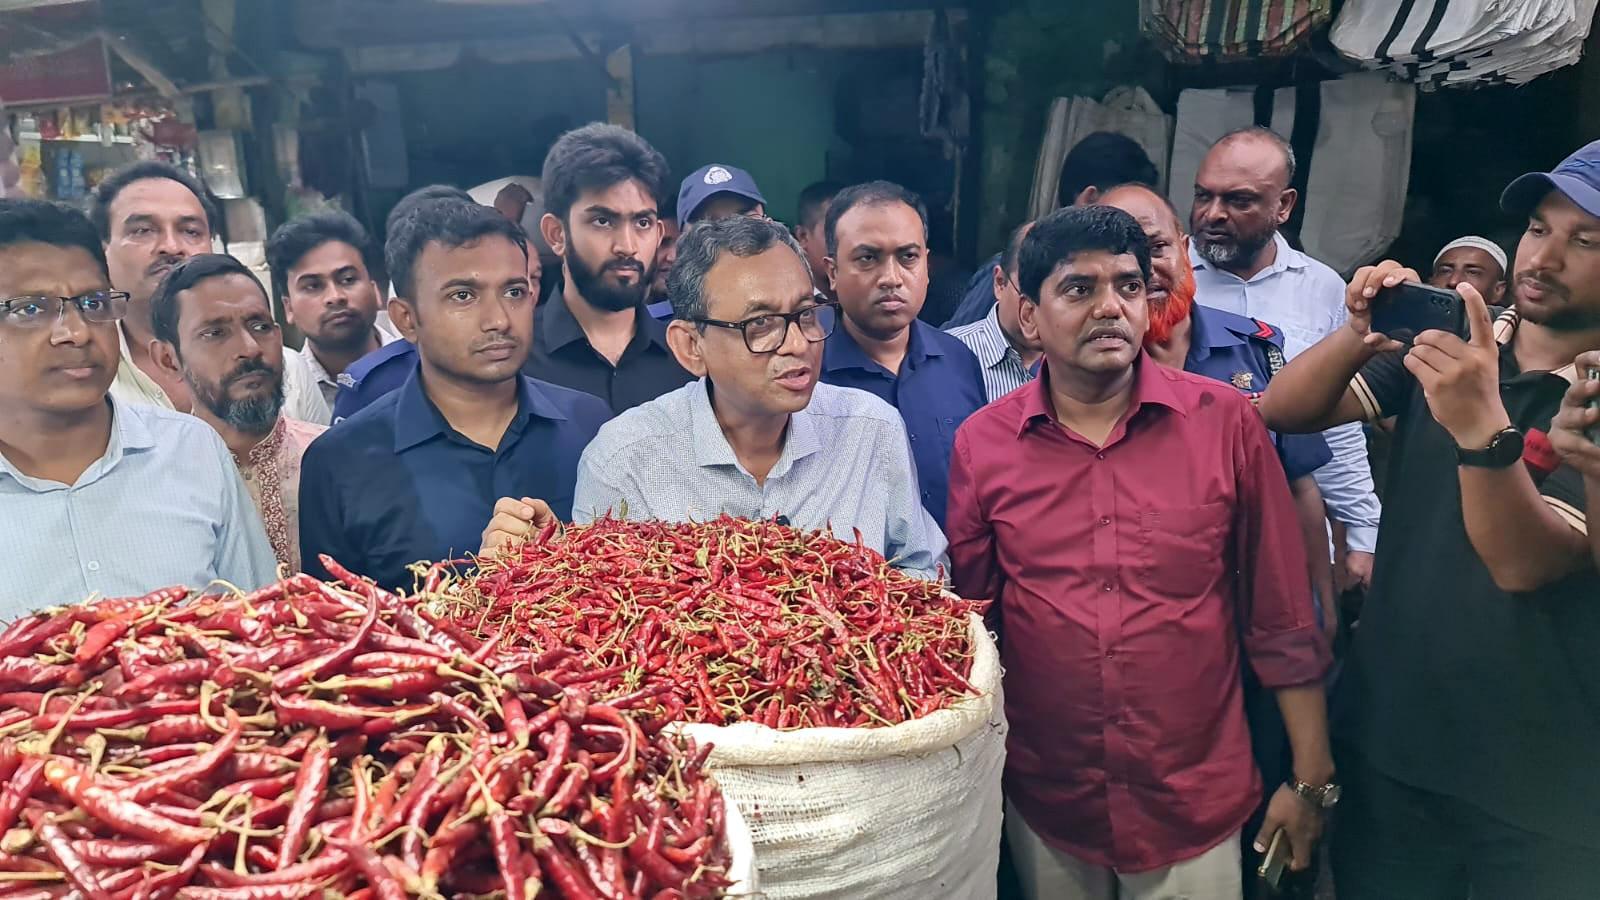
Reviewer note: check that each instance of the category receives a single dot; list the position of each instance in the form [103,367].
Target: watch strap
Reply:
[1503,451]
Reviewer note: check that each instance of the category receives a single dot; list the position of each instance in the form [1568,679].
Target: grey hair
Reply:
[703,244]
[1272,137]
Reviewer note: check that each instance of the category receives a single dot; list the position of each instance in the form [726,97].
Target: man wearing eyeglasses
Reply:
[100,496]
[755,436]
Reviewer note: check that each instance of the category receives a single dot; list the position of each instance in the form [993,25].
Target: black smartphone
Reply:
[1406,310]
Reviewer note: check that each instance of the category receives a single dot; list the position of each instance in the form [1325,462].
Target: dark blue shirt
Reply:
[979,297]
[1245,353]
[940,384]
[394,483]
[372,376]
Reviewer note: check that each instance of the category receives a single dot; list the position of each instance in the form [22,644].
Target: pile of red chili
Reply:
[327,739]
[730,620]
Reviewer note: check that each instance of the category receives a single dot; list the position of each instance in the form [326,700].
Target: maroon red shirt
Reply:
[1126,577]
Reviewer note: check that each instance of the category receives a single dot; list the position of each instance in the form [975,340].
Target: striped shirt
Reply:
[845,465]
[163,506]
[1003,371]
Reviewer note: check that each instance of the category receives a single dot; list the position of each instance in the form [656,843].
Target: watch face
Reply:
[1330,796]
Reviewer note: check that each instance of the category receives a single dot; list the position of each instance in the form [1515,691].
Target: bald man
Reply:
[1243,265]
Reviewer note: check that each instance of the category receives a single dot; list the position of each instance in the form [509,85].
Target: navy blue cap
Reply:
[1578,177]
[708,181]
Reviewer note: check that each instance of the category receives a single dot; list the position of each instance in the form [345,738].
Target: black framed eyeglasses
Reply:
[96,307]
[766,333]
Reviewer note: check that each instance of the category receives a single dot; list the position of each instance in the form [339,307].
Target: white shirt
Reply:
[309,370]
[301,399]
[163,506]
[845,465]
[1305,299]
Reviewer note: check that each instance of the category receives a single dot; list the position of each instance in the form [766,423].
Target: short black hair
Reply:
[815,196]
[451,223]
[873,193]
[24,221]
[185,275]
[1074,229]
[297,237]
[595,157]
[1103,159]
[106,194]
[705,243]
[1008,256]
[422,195]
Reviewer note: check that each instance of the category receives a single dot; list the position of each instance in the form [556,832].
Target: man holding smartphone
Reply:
[1576,431]
[1467,722]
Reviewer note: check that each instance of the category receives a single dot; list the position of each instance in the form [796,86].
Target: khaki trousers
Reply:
[1048,874]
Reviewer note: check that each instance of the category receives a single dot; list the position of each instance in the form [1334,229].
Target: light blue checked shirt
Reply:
[1305,299]
[1003,371]
[845,464]
[163,506]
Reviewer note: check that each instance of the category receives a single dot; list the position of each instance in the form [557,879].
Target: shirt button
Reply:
[1105,520]
[1106,587]
[1111,654]
[1100,455]
[93,566]
[913,438]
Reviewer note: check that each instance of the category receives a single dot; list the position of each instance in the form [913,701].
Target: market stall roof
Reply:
[672,25]
[152,45]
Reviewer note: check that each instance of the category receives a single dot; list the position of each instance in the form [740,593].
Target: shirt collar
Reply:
[1152,385]
[320,373]
[1286,259]
[711,447]
[417,420]
[558,327]
[842,351]
[129,434]
[1505,328]
[996,348]
[265,449]
[1206,334]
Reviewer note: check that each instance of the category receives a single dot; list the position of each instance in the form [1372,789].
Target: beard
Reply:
[1235,252]
[1164,318]
[255,414]
[1566,317]
[609,296]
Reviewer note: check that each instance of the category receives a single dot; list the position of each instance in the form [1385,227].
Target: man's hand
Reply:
[511,200]
[1359,294]
[515,521]
[1291,813]
[1357,571]
[1461,379]
[1567,430]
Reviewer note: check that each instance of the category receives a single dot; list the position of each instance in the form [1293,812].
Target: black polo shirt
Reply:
[1455,686]
[562,355]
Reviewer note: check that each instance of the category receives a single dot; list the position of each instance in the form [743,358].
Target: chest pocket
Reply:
[1182,549]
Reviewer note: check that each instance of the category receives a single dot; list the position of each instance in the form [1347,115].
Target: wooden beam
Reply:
[140,62]
[619,94]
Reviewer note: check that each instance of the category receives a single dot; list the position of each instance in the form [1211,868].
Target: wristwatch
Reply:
[1504,449]
[1323,797]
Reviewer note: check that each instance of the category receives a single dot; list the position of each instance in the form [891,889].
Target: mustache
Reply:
[494,340]
[163,264]
[1553,287]
[623,265]
[1116,331]
[247,368]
